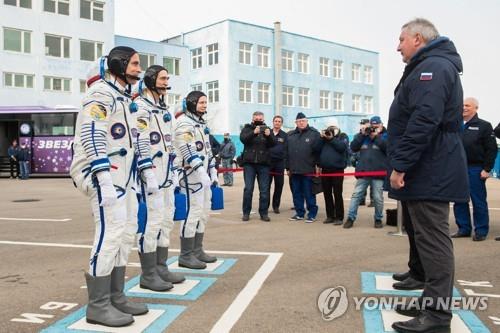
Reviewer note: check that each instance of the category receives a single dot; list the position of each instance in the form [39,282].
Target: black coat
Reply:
[334,152]
[279,151]
[256,145]
[372,153]
[497,131]
[425,121]
[303,153]
[479,143]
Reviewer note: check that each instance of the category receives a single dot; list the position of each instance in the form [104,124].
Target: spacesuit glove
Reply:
[151,182]
[213,176]
[108,192]
[203,176]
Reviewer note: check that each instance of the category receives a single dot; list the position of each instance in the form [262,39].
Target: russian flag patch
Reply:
[425,76]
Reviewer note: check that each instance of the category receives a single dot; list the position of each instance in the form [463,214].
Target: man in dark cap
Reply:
[197,173]
[303,157]
[103,164]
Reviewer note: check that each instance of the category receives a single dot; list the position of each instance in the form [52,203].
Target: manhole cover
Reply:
[26,200]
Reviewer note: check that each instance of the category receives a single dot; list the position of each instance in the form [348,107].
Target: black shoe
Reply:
[477,238]
[378,224]
[362,203]
[459,234]
[338,222]
[408,284]
[401,276]
[245,217]
[422,323]
[265,218]
[276,210]
[328,220]
[224,185]
[348,223]
[406,310]
[497,238]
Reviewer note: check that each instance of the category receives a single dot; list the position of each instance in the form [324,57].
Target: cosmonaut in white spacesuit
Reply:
[154,238]
[104,167]
[197,173]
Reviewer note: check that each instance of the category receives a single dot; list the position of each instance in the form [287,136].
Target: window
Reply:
[147,60]
[263,93]
[196,60]
[368,74]
[304,97]
[324,100]
[92,10]
[90,50]
[356,73]
[18,80]
[368,104]
[213,91]
[324,67]
[173,65]
[287,96]
[56,6]
[56,84]
[83,86]
[173,99]
[54,123]
[16,40]
[263,56]
[245,91]
[18,3]
[287,60]
[196,87]
[338,101]
[303,63]
[245,53]
[356,103]
[338,73]
[57,46]
[213,54]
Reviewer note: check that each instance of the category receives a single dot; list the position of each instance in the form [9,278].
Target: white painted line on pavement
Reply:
[33,219]
[246,295]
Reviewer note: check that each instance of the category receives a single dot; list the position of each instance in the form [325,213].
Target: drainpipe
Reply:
[277,69]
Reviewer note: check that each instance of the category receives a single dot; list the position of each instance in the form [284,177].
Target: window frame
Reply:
[22,41]
[264,93]
[324,101]
[338,69]
[263,56]
[304,98]
[96,43]
[368,74]
[213,92]
[246,89]
[61,44]
[324,68]
[56,7]
[13,80]
[356,101]
[52,78]
[245,54]
[303,63]
[287,96]
[213,55]
[368,107]
[356,69]
[196,58]
[287,58]
[18,4]
[176,66]
[338,101]
[92,8]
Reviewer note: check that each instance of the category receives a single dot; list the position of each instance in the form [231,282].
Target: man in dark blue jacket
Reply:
[333,157]
[302,163]
[278,162]
[481,150]
[371,145]
[13,159]
[258,139]
[428,162]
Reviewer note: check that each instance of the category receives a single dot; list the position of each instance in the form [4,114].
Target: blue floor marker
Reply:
[171,312]
[368,286]
[223,268]
[201,287]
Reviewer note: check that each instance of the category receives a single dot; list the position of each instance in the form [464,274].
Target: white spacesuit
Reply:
[155,237]
[104,167]
[196,174]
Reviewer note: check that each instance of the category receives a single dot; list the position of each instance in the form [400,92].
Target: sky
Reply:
[373,25]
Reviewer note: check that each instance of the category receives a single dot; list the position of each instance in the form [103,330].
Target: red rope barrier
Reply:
[339,174]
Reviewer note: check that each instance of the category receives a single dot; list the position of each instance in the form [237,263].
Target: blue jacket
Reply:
[302,152]
[372,153]
[425,121]
[333,153]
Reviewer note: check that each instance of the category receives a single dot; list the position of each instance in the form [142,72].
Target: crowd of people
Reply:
[19,160]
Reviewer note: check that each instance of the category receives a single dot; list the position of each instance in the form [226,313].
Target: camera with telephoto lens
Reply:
[369,130]
[262,128]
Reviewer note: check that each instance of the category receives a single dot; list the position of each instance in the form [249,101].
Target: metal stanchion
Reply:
[399,231]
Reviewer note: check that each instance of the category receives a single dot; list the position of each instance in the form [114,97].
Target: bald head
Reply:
[471,105]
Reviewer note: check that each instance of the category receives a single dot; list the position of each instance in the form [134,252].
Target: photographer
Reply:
[333,148]
[257,139]
[371,144]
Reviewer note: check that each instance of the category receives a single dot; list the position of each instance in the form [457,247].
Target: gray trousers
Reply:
[435,249]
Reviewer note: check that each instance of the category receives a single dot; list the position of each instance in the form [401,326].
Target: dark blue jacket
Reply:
[23,154]
[279,151]
[372,153]
[479,143]
[333,153]
[425,121]
[302,150]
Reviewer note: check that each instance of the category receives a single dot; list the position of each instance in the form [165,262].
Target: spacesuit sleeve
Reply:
[142,144]
[96,113]
[184,144]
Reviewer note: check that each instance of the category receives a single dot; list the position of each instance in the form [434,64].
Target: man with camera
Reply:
[333,156]
[257,139]
[371,145]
